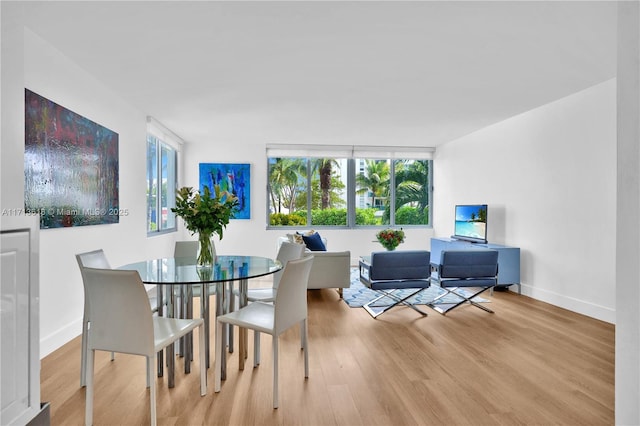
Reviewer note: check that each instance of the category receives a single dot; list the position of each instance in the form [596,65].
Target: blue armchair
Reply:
[468,269]
[387,272]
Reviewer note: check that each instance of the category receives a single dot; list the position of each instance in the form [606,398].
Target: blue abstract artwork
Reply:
[233,178]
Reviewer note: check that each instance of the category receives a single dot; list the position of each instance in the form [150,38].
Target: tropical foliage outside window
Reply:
[161,186]
[317,191]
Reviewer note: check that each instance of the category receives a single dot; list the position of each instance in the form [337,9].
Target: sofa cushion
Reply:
[295,238]
[314,242]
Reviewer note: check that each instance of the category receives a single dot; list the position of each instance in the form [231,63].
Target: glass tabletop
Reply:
[184,271]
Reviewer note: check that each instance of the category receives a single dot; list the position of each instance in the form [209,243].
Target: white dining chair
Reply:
[287,251]
[186,249]
[97,259]
[288,309]
[121,321]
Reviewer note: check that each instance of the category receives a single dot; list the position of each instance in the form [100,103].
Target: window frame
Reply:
[351,154]
[165,141]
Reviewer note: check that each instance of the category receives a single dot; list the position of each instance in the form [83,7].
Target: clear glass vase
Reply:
[206,251]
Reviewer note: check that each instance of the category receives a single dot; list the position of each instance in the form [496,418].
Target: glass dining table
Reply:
[178,276]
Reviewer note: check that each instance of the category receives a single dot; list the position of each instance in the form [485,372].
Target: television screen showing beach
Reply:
[471,221]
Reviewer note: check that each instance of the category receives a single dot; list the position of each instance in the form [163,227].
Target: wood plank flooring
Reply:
[530,363]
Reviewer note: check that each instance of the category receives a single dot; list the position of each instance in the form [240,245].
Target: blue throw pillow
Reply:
[314,242]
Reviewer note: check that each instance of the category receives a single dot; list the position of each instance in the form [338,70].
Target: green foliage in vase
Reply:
[205,213]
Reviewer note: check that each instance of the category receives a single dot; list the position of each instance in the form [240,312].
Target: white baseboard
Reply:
[57,339]
[573,304]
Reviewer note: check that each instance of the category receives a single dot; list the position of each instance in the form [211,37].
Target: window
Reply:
[307,191]
[348,186]
[162,158]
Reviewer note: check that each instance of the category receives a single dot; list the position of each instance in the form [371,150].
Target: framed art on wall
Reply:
[71,166]
[234,178]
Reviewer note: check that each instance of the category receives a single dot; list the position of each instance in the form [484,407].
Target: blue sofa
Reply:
[387,272]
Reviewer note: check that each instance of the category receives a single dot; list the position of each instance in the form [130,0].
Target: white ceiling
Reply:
[419,72]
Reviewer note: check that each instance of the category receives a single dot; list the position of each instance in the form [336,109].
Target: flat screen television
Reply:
[471,223]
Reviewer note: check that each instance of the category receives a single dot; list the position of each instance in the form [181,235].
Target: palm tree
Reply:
[324,167]
[284,175]
[412,183]
[375,179]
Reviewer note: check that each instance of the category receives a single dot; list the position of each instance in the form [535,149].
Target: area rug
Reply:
[358,294]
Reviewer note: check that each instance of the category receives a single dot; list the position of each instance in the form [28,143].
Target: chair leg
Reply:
[301,337]
[230,338]
[305,347]
[275,371]
[148,374]
[152,389]
[217,364]
[256,348]
[160,362]
[88,413]
[205,303]
[83,354]
[203,364]
[231,308]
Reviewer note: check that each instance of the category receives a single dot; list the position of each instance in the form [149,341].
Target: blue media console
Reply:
[508,258]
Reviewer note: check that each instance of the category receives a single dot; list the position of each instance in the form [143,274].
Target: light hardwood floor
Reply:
[530,363]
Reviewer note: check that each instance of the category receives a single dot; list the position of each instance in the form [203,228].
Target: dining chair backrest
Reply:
[287,251]
[186,249]
[90,259]
[93,259]
[291,298]
[121,318]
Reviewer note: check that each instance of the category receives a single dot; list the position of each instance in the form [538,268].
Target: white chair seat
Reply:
[261,294]
[165,330]
[258,316]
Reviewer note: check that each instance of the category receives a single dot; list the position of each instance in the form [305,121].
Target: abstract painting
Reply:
[233,178]
[71,167]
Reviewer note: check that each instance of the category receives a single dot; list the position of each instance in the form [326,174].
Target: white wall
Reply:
[49,73]
[549,178]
